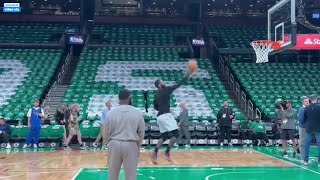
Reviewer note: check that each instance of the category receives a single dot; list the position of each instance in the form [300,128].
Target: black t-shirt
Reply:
[162,99]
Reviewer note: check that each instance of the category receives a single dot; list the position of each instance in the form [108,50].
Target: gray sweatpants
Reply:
[184,130]
[302,141]
[126,153]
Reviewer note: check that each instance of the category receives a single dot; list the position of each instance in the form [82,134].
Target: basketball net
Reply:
[263,48]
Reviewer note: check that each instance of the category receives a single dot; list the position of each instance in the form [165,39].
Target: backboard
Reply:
[282,24]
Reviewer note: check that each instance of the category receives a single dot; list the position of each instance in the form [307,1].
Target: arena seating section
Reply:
[265,83]
[102,72]
[25,76]
[30,32]
[140,34]
[237,36]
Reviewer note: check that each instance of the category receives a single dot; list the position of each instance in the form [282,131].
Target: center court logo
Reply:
[308,42]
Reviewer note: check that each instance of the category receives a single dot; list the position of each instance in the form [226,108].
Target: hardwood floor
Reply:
[64,165]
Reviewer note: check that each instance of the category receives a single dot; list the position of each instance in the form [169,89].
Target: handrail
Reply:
[227,73]
[232,82]
[243,99]
[250,108]
[238,91]
[258,113]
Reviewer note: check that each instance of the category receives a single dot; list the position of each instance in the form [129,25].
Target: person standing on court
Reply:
[312,124]
[167,124]
[184,125]
[72,116]
[125,132]
[288,127]
[225,117]
[302,127]
[34,124]
[103,122]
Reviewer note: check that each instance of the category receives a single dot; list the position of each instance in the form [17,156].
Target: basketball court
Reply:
[196,163]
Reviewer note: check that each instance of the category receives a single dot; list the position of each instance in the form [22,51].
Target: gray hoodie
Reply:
[287,119]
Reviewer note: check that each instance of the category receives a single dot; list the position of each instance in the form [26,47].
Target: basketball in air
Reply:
[192,66]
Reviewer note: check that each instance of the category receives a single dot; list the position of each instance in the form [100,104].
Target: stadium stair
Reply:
[57,92]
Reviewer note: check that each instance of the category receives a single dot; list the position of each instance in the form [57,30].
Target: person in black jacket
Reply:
[62,121]
[312,124]
[5,132]
[224,119]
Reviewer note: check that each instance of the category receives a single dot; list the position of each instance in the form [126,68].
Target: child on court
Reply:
[34,124]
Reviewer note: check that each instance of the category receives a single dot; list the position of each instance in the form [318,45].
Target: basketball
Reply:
[277,45]
[192,65]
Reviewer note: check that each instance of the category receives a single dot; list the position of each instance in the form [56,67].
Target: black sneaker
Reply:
[284,154]
[294,154]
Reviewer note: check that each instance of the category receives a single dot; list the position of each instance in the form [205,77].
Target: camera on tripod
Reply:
[280,103]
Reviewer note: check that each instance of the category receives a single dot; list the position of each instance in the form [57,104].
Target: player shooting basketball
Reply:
[167,124]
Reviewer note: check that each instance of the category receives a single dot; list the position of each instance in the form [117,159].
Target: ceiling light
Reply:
[208,4]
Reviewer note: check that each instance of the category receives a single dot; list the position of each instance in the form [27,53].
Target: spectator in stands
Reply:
[73,119]
[103,128]
[61,121]
[312,124]
[184,125]
[225,118]
[246,132]
[5,132]
[34,124]
[288,127]
[276,130]
[259,132]
[302,127]
[46,119]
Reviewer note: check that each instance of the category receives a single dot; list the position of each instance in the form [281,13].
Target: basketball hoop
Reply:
[262,49]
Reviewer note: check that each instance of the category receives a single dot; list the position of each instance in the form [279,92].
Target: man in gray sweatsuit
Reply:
[288,127]
[184,125]
[125,132]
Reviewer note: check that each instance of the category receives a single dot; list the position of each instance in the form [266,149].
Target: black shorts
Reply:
[168,135]
[288,134]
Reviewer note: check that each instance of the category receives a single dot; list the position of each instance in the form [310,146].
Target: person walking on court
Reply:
[288,127]
[125,131]
[103,128]
[34,124]
[302,127]
[184,125]
[167,124]
[312,124]
[225,118]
